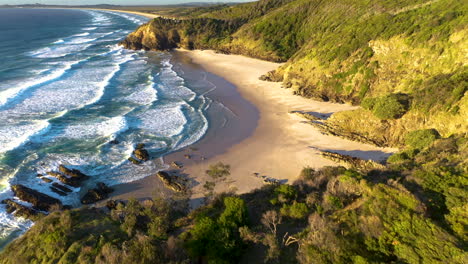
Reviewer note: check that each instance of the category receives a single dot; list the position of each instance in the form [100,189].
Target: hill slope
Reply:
[346,51]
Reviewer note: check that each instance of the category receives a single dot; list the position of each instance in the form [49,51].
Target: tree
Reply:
[271,219]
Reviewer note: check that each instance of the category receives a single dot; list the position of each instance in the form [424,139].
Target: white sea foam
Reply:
[81,34]
[144,96]
[13,136]
[80,40]
[9,90]
[173,86]
[59,41]
[102,127]
[90,28]
[58,51]
[162,121]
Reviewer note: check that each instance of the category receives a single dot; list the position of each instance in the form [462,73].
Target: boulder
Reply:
[141,154]
[39,200]
[170,181]
[112,204]
[134,161]
[177,165]
[99,193]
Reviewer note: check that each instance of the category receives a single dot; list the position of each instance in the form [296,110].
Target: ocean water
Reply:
[67,89]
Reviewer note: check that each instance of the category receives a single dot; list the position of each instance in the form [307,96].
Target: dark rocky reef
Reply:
[71,177]
[20,210]
[39,200]
[99,193]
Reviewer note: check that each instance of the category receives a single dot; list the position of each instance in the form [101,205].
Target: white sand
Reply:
[281,144]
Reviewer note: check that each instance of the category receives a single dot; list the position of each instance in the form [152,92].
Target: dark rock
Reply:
[39,200]
[74,182]
[114,142]
[57,191]
[20,210]
[170,181]
[134,161]
[46,180]
[99,193]
[187,156]
[112,204]
[72,173]
[61,187]
[140,146]
[177,165]
[141,154]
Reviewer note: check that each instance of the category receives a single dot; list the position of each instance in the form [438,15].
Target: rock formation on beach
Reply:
[171,181]
[99,193]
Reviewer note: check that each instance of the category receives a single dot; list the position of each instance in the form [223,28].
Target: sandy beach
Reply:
[265,139]
[148,15]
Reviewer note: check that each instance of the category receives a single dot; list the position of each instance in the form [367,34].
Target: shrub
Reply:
[420,139]
[219,170]
[392,106]
[285,193]
[296,210]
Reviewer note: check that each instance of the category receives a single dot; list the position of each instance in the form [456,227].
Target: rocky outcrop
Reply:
[20,210]
[60,189]
[71,177]
[99,193]
[39,200]
[353,162]
[112,204]
[171,181]
[73,173]
[140,154]
[149,37]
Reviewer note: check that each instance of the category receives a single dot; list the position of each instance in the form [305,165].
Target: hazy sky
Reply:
[114,2]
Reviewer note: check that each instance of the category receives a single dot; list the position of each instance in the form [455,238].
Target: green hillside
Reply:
[404,62]
[412,211]
[349,52]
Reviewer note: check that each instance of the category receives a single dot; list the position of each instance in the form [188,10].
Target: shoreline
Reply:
[279,146]
[147,15]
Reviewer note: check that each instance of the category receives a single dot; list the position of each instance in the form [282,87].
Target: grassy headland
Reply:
[345,51]
[403,61]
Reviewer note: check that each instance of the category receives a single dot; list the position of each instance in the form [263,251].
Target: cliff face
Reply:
[148,38]
[345,52]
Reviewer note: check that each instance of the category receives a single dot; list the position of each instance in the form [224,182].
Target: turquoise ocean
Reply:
[67,89]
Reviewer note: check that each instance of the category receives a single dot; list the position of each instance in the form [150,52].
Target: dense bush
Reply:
[392,106]
[420,139]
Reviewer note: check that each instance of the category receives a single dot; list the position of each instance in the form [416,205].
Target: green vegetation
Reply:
[392,106]
[219,170]
[412,211]
[420,139]
[404,60]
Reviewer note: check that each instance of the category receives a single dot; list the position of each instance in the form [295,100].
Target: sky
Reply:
[113,2]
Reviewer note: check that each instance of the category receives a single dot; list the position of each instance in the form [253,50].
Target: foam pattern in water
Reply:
[80,91]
